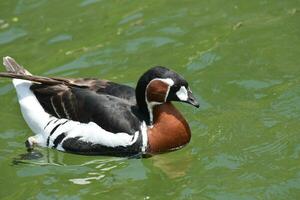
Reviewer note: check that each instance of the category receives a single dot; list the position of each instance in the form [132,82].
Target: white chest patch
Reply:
[182,94]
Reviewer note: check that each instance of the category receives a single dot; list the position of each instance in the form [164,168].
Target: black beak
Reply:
[192,100]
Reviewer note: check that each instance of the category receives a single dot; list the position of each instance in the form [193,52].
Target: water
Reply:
[241,59]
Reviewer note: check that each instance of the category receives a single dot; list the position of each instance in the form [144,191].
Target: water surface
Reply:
[241,60]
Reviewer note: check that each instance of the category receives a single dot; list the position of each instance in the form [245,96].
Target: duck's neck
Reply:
[169,131]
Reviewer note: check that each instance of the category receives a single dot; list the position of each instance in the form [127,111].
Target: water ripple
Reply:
[174,30]
[60,38]
[255,84]
[131,18]
[202,60]
[5,89]
[275,147]
[288,103]
[224,160]
[11,35]
[84,61]
[27,5]
[135,44]
[88,2]
[84,181]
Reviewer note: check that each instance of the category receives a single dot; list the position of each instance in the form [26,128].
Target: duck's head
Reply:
[159,85]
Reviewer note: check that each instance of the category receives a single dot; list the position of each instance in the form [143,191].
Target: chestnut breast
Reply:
[170,130]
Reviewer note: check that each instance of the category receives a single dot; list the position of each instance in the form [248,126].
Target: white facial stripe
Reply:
[182,94]
[168,81]
[150,105]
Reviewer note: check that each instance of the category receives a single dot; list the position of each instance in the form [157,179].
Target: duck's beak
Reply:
[192,100]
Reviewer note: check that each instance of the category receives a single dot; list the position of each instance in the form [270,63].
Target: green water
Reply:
[241,58]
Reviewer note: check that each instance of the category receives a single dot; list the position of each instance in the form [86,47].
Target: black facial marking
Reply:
[175,88]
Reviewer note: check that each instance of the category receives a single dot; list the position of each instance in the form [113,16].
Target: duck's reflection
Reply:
[172,165]
[109,169]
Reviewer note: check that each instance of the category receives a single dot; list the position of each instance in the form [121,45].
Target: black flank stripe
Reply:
[58,139]
[48,123]
[64,122]
[53,130]
[56,121]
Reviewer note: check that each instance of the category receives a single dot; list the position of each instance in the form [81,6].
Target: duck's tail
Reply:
[16,71]
[12,67]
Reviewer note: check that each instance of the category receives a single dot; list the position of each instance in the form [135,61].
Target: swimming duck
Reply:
[100,117]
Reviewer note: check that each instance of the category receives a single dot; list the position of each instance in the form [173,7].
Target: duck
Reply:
[93,116]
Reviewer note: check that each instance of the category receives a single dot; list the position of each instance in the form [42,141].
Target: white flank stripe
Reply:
[93,133]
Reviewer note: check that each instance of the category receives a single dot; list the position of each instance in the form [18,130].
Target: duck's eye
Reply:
[176,87]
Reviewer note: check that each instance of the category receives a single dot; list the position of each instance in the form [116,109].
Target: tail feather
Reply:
[38,79]
[12,66]
[16,71]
